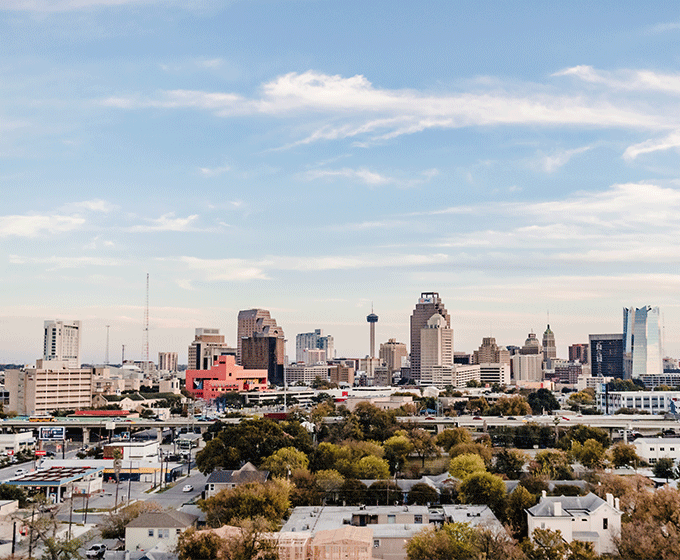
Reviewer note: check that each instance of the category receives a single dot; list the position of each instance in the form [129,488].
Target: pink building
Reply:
[224,376]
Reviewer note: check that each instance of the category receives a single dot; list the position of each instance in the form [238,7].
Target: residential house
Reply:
[223,480]
[159,527]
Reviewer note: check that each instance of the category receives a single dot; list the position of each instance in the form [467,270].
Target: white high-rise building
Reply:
[313,341]
[642,351]
[436,349]
[62,342]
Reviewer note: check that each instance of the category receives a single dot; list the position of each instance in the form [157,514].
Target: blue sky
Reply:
[312,157]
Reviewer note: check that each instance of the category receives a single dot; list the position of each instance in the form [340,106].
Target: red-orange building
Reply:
[224,376]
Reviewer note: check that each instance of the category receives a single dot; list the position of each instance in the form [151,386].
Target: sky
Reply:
[318,158]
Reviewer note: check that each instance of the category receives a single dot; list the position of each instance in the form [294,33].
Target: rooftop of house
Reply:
[163,520]
[247,473]
[569,506]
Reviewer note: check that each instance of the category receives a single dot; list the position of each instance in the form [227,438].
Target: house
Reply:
[223,480]
[477,516]
[579,518]
[159,527]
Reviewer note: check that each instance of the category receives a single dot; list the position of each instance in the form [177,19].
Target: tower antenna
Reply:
[146,328]
[106,357]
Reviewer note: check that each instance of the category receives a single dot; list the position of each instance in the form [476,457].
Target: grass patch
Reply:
[166,488]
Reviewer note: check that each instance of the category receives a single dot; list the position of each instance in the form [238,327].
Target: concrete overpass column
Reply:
[86,436]
[159,435]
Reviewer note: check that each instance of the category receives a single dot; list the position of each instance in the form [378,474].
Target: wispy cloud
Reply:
[95,205]
[50,6]
[36,225]
[214,171]
[551,163]
[654,145]
[630,80]
[167,222]
[55,262]
[368,177]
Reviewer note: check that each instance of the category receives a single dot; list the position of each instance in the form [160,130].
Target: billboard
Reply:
[52,433]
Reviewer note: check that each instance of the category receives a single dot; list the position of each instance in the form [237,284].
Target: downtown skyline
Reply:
[314,157]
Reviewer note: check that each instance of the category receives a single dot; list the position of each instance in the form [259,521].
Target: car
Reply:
[565,418]
[477,418]
[511,418]
[20,472]
[188,488]
[96,551]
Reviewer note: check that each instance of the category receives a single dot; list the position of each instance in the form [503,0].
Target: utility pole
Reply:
[106,357]
[146,327]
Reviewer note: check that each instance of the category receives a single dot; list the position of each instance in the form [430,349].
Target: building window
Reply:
[151,532]
[542,524]
[605,523]
[417,518]
[376,543]
[391,518]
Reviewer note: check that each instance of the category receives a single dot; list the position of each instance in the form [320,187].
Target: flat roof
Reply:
[54,476]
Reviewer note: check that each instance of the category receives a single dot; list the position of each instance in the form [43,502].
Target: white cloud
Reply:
[630,80]
[649,146]
[95,205]
[167,222]
[368,177]
[38,225]
[49,6]
[557,159]
[56,263]
[213,172]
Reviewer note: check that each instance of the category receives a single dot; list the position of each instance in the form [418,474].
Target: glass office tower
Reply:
[642,352]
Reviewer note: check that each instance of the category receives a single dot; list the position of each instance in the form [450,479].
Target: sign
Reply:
[40,453]
[10,452]
[52,433]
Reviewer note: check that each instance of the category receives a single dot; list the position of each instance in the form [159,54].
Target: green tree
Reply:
[9,492]
[353,492]
[269,500]
[519,500]
[483,488]
[580,434]
[330,481]
[397,449]
[305,490]
[466,464]
[383,493]
[542,401]
[249,542]
[516,405]
[195,545]
[510,462]
[451,541]
[372,467]
[663,468]
[422,494]
[545,545]
[552,463]
[478,448]
[623,455]
[284,461]
[453,436]
[423,444]
[590,454]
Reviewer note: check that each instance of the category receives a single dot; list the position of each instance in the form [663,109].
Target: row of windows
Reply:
[163,533]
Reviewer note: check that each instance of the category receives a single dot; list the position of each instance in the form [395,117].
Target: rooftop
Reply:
[164,520]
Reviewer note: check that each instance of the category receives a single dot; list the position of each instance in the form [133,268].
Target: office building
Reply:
[251,321]
[527,367]
[532,345]
[567,372]
[428,304]
[549,349]
[300,374]
[62,342]
[312,357]
[436,349]
[341,374]
[494,373]
[490,353]
[51,385]
[653,402]
[642,352]
[578,353]
[207,346]
[167,361]
[224,376]
[313,341]
[392,354]
[265,350]
[605,355]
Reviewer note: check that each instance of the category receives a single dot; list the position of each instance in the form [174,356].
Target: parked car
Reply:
[20,472]
[188,488]
[96,551]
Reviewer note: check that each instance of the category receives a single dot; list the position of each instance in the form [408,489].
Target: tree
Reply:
[519,500]
[545,545]
[304,491]
[478,448]
[483,488]
[269,500]
[384,493]
[552,463]
[397,449]
[663,468]
[423,444]
[353,492]
[452,540]
[542,401]
[9,492]
[581,433]
[478,405]
[422,494]
[623,455]
[113,525]
[466,464]
[248,542]
[284,461]
[372,467]
[516,405]
[330,481]
[590,454]
[453,436]
[510,462]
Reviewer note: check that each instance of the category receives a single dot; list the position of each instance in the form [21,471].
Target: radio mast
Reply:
[146,328]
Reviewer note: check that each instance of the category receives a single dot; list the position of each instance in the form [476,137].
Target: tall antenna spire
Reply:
[146,327]
[106,357]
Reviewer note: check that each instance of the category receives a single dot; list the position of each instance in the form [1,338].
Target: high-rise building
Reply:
[605,355]
[62,342]
[642,352]
[265,349]
[251,321]
[428,304]
[392,353]
[490,352]
[207,346]
[527,367]
[549,349]
[578,353]
[532,345]
[372,319]
[436,348]
[313,341]
[167,361]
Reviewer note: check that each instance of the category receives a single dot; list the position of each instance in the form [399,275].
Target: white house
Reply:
[579,518]
[653,449]
[158,527]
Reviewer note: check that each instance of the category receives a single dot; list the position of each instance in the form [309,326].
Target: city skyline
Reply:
[292,156]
